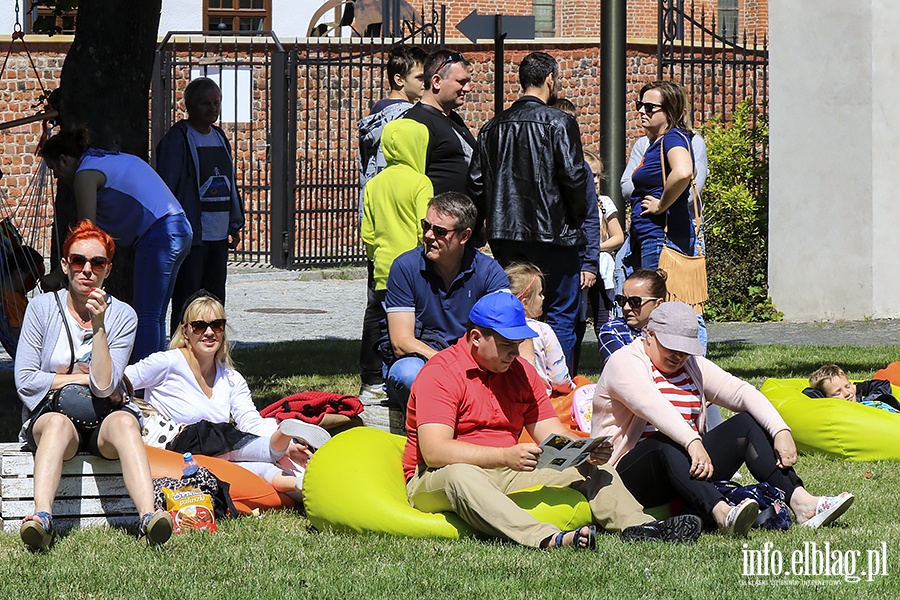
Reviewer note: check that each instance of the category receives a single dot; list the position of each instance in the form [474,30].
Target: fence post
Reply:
[279,207]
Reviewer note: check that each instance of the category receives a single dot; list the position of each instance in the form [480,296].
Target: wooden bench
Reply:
[91,491]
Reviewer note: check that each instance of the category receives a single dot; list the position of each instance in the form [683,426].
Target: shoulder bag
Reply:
[75,400]
[686,281]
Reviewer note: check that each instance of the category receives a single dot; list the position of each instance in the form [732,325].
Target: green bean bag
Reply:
[355,483]
[835,427]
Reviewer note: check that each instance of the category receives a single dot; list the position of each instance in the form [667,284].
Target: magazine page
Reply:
[561,452]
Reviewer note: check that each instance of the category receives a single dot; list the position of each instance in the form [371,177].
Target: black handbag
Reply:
[76,400]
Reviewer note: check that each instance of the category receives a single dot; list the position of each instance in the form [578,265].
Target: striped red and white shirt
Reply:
[679,389]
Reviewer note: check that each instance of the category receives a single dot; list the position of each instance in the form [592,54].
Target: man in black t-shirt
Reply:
[450,144]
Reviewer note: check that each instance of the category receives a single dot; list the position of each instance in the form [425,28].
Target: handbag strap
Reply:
[695,193]
[62,313]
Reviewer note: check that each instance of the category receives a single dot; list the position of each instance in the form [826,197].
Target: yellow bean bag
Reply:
[835,427]
[355,483]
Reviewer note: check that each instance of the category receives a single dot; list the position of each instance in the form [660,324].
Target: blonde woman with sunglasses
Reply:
[196,385]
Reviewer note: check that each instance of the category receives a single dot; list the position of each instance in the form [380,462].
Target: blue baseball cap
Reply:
[504,313]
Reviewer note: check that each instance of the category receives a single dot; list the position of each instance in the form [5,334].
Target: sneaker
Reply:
[740,518]
[682,528]
[372,394]
[314,436]
[828,509]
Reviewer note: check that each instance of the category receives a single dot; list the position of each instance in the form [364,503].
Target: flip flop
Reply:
[829,508]
[36,530]
[156,527]
[591,538]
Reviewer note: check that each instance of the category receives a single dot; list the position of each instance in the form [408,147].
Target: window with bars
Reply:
[238,15]
[42,18]
[728,18]
[544,12]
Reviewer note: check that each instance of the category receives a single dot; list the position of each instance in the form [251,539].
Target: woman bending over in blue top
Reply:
[125,197]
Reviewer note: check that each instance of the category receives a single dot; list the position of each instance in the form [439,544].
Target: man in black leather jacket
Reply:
[527,179]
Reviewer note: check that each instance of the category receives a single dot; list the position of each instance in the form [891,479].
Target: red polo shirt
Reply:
[488,409]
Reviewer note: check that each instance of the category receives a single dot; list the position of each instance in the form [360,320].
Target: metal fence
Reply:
[719,69]
[291,117]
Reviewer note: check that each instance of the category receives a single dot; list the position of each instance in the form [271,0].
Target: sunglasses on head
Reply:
[78,261]
[648,107]
[439,231]
[451,58]
[217,325]
[634,302]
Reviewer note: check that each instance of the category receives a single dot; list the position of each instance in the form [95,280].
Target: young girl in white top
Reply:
[527,282]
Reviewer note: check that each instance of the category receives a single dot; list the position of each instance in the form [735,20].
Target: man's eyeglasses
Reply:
[635,302]
[77,261]
[648,107]
[200,327]
[451,58]
[438,230]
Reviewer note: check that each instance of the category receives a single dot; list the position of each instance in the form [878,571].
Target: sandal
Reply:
[829,508]
[156,527]
[591,538]
[36,530]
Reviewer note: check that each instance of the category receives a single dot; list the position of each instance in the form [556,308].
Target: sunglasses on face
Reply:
[199,327]
[451,58]
[635,302]
[648,107]
[77,261]
[439,231]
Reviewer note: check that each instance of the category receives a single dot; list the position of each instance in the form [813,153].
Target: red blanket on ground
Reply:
[312,407]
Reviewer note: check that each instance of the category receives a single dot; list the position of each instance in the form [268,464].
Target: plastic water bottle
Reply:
[190,466]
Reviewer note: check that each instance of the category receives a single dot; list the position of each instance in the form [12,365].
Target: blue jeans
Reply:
[158,254]
[561,267]
[400,378]
[650,248]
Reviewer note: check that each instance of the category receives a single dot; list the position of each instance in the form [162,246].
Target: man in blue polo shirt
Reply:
[430,290]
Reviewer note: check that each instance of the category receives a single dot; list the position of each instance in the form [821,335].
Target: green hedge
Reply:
[736,208]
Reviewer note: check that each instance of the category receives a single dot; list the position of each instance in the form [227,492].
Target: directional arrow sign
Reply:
[476,27]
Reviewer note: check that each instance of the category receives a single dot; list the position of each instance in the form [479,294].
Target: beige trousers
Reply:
[479,497]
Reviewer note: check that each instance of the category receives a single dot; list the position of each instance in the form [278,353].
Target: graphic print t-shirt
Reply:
[215,177]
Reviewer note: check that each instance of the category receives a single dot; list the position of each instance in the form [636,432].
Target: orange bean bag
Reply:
[890,373]
[562,404]
[248,491]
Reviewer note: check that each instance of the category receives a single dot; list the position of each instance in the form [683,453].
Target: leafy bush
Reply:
[736,207]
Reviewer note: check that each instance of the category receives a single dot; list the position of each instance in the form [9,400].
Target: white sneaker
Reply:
[313,435]
[372,395]
[740,518]
[829,508]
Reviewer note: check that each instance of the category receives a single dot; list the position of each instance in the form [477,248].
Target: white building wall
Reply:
[835,144]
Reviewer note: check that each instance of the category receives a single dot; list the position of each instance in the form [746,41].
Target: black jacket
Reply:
[527,176]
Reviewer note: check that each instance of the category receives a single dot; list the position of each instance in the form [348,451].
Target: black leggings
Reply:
[658,469]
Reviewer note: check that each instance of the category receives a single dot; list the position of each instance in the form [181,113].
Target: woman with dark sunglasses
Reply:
[195,386]
[642,292]
[81,335]
[659,201]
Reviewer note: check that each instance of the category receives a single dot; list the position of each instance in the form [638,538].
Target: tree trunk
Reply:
[105,86]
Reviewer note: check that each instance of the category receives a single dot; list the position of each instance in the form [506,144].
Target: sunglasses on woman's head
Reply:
[78,261]
[648,107]
[439,231]
[198,327]
[635,302]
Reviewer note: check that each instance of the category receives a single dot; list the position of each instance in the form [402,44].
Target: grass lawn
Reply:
[279,556]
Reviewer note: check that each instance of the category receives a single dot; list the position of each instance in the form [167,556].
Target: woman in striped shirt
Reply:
[651,400]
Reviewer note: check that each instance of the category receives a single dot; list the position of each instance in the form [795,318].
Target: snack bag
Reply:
[190,508]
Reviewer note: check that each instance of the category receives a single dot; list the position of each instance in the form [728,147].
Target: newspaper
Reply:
[561,452]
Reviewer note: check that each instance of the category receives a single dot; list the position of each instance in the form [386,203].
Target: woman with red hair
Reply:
[81,335]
